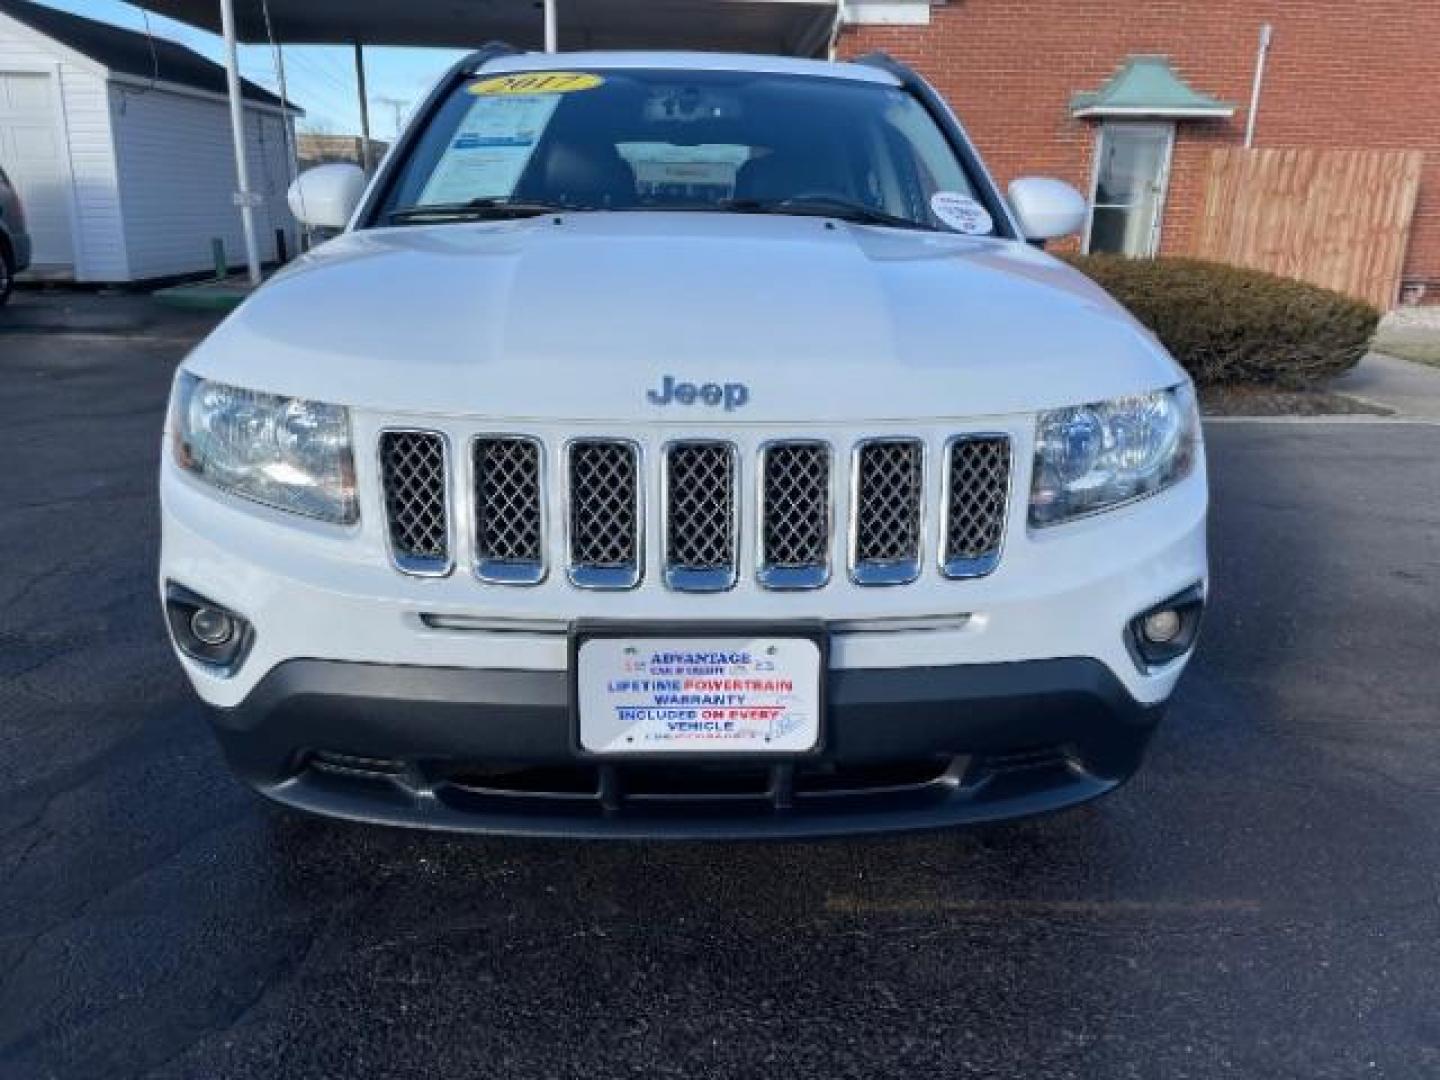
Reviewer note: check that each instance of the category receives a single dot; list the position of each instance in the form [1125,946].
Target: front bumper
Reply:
[444,702]
[493,751]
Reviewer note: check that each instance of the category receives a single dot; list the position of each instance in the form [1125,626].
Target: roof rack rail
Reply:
[491,50]
[879,58]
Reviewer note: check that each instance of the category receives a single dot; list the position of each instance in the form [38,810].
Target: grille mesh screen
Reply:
[700,517]
[979,487]
[508,501]
[888,494]
[604,517]
[795,529]
[413,468]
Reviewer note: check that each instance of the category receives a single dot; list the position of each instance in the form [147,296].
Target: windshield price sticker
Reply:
[644,696]
[961,212]
[537,82]
[490,149]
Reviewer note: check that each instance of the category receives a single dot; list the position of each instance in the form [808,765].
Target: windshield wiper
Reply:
[822,206]
[476,210]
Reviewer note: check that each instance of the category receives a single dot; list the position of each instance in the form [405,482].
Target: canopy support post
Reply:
[552,29]
[365,157]
[244,198]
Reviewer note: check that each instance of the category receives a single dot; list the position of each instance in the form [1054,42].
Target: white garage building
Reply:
[120,147]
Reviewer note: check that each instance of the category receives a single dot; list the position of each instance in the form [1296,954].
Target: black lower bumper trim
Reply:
[493,751]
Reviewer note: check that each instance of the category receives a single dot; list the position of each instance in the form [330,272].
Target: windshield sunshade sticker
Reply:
[490,149]
[961,212]
[537,82]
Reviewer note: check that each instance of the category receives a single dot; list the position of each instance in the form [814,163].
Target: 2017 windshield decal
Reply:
[537,82]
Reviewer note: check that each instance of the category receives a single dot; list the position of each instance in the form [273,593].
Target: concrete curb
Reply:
[1341,419]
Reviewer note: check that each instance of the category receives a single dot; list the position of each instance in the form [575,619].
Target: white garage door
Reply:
[33,158]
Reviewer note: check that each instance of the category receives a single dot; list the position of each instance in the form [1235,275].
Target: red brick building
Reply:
[1338,74]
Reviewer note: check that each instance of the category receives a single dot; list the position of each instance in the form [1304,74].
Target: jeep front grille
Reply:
[509,510]
[977,492]
[413,467]
[794,532]
[888,493]
[701,485]
[604,512]
[708,494]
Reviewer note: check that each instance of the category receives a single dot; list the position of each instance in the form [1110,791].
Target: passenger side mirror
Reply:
[326,196]
[1046,208]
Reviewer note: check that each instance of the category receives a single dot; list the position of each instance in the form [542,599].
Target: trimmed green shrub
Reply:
[1227,325]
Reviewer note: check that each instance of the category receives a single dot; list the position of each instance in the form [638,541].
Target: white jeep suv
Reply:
[682,445]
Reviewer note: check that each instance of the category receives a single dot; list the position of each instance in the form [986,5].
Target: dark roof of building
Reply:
[128,52]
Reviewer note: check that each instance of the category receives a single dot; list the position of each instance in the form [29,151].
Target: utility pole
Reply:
[398,105]
[365,161]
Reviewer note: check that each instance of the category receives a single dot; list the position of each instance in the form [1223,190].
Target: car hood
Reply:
[579,316]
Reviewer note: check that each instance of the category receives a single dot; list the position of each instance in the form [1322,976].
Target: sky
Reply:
[320,79]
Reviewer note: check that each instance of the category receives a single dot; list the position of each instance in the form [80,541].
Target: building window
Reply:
[1127,193]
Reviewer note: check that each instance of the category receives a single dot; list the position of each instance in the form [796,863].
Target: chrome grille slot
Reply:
[413,472]
[795,515]
[700,481]
[886,511]
[509,510]
[604,514]
[977,492]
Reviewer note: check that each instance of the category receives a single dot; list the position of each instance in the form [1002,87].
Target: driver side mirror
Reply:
[1046,208]
[326,196]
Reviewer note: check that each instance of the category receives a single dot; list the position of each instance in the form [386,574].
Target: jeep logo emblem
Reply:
[732,395]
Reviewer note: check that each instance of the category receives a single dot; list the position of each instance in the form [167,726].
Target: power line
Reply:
[322,87]
[319,74]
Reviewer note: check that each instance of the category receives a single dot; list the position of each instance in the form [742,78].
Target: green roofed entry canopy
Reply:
[1149,86]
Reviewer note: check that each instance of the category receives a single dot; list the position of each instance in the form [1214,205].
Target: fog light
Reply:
[1167,631]
[1161,627]
[212,627]
[205,631]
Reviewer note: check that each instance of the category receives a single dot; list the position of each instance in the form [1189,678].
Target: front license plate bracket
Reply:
[795,721]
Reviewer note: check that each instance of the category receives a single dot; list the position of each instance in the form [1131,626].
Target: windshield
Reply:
[502,145]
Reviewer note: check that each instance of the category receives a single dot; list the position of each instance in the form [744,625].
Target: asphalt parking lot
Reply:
[1263,901]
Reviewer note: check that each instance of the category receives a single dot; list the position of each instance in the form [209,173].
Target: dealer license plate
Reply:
[698,695]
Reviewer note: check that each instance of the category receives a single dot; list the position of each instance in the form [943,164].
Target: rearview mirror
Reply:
[1046,208]
[326,196]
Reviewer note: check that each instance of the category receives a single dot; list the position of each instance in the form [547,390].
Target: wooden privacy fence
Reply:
[1337,218]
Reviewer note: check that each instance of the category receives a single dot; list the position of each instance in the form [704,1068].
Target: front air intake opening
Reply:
[977,494]
[604,514]
[795,515]
[509,510]
[417,518]
[886,523]
[700,482]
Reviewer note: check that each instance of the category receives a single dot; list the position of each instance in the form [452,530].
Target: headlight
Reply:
[1095,457]
[284,452]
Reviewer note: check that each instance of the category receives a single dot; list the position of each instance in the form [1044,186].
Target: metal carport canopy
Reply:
[792,27]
